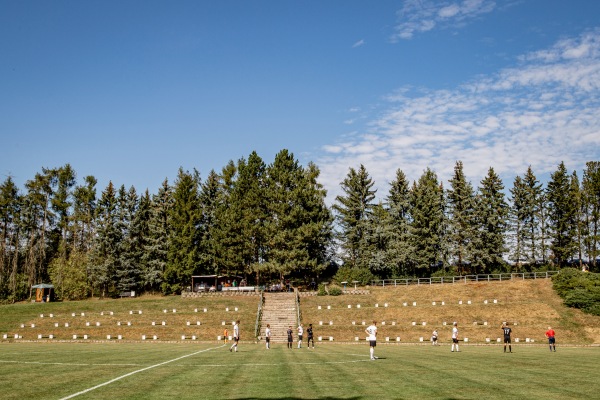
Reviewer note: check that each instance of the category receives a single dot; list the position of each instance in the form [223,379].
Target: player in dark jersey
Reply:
[290,334]
[309,333]
[506,331]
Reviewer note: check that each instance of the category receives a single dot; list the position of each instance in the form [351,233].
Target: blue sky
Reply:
[129,91]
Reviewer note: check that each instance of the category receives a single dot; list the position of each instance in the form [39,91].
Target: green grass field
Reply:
[331,371]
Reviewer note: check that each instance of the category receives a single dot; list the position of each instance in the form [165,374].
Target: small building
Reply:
[43,292]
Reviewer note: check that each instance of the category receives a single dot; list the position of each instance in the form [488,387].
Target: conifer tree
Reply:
[491,220]
[352,213]
[107,245]
[591,198]
[133,230]
[84,209]
[210,195]
[400,248]
[517,220]
[461,204]
[184,217]
[427,227]
[298,223]
[561,213]
[10,209]
[154,258]
[534,218]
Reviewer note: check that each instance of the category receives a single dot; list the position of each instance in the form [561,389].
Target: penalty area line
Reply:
[137,371]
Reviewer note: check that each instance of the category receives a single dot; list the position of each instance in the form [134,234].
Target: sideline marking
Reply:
[135,372]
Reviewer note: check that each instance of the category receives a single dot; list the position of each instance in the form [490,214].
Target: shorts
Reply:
[300,338]
[551,340]
[372,343]
[506,339]
[455,340]
[434,338]
[290,339]
[236,338]
[268,339]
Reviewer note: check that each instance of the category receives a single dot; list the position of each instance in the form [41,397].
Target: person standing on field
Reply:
[372,338]
[300,333]
[551,340]
[506,330]
[290,334]
[225,335]
[434,337]
[236,336]
[310,338]
[455,336]
[268,336]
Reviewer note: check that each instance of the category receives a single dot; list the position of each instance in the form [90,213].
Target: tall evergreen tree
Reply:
[428,223]
[132,229]
[84,210]
[591,199]
[491,218]
[561,214]
[298,221]
[400,248]
[154,257]
[352,212]
[210,194]
[10,209]
[534,218]
[517,222]
[107,247]
[182,255]
[461,201]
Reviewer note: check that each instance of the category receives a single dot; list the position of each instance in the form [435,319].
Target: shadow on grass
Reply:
[302,398]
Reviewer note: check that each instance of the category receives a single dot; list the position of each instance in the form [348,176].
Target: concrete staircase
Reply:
[279,311]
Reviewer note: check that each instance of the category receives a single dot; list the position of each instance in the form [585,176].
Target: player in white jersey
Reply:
[300,333]
[372,338]
[236,336]
[455,336]
[268,336]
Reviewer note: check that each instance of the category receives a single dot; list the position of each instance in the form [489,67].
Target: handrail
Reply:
[463,278]
[261,300]
[297,305]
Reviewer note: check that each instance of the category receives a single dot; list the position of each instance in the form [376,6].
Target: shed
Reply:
[43,292]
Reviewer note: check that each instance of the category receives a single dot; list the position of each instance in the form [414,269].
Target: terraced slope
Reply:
[413,312]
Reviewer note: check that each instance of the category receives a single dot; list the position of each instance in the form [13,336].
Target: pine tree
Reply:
[105,258]
[400,248]
[427,228]
[561,215]
[10,209]
[491,217]
[534,218]
[517,220]
[154,258]
[184,217]
[84,209]
[461,202]
[298,223]
[352,213]
[210,194]
[133,231]
[591,199]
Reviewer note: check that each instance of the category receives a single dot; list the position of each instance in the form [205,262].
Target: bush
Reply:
[578,289]
[335,290]
[347,274]
[322,291]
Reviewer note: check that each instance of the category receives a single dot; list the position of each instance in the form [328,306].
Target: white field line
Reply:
[135,372]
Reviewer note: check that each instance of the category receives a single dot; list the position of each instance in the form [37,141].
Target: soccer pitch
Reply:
[331,371]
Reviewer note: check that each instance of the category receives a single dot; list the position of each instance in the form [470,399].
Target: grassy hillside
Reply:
[530,306]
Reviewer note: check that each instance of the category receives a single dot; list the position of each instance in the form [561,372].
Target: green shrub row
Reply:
[578,289]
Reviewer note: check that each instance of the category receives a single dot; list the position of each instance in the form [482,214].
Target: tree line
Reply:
[271,222]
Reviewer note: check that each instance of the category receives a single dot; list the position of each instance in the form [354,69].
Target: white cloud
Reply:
[544,111]
[361,42]
[417,16]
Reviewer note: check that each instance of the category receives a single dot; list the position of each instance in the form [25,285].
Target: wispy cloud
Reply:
[361,42]
[418,16]
[540,112]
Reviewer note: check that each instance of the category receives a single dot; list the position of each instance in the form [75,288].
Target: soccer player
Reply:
[434,338]
[551,340]
[268,336]
[300,333]
[310,338]
[455,336]
[506,330]
[236,335]
[290,334]
[372,338]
